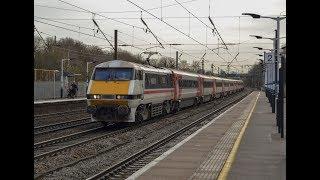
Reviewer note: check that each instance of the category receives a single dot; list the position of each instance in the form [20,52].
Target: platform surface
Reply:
[261,154]
[203,155]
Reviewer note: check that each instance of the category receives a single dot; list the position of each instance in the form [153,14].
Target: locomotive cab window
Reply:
[113,74]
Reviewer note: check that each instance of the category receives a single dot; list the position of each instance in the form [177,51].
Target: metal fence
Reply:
[51,90]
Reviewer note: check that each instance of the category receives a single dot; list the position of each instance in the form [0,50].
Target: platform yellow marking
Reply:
[227,166]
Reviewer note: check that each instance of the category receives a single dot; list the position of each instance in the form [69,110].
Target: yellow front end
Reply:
[109,101]
[109,87]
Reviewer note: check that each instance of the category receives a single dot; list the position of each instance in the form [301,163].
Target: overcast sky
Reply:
[226,15]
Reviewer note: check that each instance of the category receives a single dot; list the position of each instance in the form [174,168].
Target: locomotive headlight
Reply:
[96,96]
[118,97]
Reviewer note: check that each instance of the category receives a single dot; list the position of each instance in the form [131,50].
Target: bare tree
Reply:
[184,65]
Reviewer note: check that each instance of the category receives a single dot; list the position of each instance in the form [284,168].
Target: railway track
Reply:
[144,156]
[39,130]
[65,138]
[38,116]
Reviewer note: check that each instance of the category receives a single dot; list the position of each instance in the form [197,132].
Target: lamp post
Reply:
[271,94]
[277,19]
[275,47]
[273,100]
[277,59]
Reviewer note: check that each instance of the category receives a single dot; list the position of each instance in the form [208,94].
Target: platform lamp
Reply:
[277,38]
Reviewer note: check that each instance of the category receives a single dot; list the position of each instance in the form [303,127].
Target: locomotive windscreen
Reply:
[113,74]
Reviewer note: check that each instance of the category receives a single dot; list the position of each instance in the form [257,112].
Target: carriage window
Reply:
[218,84]
[153,81]
[188,84]
[163,80]
[169,81]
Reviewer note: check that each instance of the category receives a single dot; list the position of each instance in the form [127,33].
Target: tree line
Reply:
[48,53]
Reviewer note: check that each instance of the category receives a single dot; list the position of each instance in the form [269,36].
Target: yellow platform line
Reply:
[227,166]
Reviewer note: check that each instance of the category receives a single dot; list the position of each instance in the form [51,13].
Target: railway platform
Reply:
[241,143]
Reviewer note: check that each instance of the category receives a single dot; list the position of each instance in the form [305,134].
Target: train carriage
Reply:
[231,86]
[226,86]
[218,87]
[187,89]
[208,84]
[158,91]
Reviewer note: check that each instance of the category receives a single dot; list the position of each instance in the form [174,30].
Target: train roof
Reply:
[127,64]
[185,73]
[206,76]
[231,80]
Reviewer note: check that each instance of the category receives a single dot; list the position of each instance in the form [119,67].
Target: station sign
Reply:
[269,57]
[269,61]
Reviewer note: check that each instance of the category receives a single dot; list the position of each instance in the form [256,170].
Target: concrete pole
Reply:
[115,55]
[54,84]
[276,62]
[87,70]
[61,79]
[211,68]
[278,47]
[177,59]
[202,66]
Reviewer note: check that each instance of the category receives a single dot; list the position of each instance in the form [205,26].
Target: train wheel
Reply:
[146,113]
[142,113]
